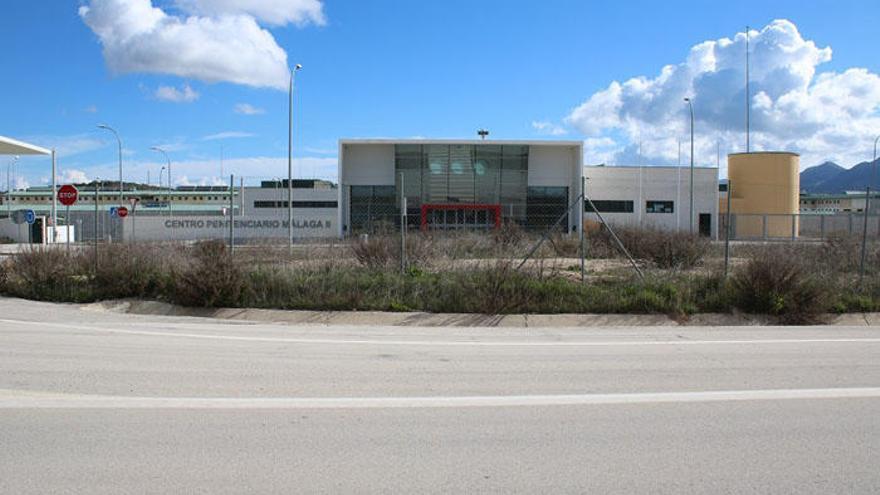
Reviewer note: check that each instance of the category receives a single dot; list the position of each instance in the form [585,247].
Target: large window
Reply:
[660,206]
[545,205]
[296,204]
[610,206]
[373,207]
[464,174]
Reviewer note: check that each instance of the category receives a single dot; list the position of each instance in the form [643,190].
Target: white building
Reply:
[478,184]
[452,184]
[655,196]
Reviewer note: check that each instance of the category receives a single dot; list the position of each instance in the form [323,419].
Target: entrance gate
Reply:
[457,216]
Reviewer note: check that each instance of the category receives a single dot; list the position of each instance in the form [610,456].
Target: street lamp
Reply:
[168,195]
[867,210]
[10,165]
[296,68]
[691,210]
[119,142]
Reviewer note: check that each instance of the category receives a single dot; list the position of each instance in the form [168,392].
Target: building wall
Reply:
[643,184]
[764,183]
[372,162]
[279,195]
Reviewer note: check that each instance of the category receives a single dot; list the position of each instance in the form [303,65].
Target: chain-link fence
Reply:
[780,227]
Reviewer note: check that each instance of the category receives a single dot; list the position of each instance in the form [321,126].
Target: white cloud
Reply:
[248,109]
[548,128]
[230,46]
[91,109]
[183,95]
[826,115]
[73,176]
[227,135]
[272,12]
[66,146]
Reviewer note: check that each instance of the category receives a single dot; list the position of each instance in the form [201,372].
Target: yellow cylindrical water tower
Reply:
[765,189]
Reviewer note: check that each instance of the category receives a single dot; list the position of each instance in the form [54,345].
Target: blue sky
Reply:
[433,69]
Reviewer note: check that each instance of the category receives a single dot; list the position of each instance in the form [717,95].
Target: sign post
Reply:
[67,195]
[133,202]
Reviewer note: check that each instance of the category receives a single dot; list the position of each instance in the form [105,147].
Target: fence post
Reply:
[97,191]
[864,236]
[67,226]
[727,228]
[822,226]
[580,216]
[794,226]
[231,213]
[849,216]
[764,226]
[402,226]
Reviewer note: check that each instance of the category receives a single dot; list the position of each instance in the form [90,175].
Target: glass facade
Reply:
[459,186]
[448,174]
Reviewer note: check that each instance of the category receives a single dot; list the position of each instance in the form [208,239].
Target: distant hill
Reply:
[831,178]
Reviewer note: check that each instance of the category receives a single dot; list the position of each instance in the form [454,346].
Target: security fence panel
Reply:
[777,227]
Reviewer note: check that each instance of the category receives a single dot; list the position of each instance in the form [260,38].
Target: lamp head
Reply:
[298,67]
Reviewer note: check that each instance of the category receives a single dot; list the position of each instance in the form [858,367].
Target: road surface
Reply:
[96,402]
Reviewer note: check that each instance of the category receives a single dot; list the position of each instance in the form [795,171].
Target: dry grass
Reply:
[462,272]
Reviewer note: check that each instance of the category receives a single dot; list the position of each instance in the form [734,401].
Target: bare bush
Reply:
[780,284]
[665,248]
[378,251]
[211,279]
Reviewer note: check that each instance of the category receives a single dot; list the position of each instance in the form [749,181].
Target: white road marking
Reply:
[448,343]
[14,399]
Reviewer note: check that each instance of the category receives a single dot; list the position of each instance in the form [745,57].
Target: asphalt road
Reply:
[107,403]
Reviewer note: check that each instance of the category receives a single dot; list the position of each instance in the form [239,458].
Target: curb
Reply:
[419,319]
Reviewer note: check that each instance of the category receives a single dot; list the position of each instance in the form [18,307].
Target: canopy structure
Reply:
[9,146]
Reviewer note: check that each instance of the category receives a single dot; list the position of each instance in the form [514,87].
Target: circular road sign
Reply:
[30,217]
[67,195]
[122,212]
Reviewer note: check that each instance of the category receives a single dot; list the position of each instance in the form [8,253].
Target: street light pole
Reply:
[691,210]
[867,210]
[293,72]
[119,143]
[9,185]
[168,195]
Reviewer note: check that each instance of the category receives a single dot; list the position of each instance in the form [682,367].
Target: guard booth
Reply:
[37,231]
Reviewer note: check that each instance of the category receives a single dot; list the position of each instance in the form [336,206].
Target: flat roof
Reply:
[527,142]
[764,153]
[654,167]
[9,146]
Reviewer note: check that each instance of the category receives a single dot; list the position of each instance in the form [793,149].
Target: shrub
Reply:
[130,270]
[377,251]
[211,279]
[46,275]
[782,285]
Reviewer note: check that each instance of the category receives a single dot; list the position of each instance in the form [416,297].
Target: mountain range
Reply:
[831,178]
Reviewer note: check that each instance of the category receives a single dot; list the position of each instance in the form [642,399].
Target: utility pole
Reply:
[691,210]
[293,72]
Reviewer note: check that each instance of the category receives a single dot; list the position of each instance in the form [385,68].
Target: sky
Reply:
[207,80]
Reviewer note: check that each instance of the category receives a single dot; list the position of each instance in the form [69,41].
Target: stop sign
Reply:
[122,212]
[67,195]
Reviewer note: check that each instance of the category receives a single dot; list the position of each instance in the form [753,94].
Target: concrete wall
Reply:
[642,184]
[307,225]
[252,194]
[367,165]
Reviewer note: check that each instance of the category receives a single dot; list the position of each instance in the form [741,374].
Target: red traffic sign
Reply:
[122,212]
[67,195]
